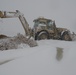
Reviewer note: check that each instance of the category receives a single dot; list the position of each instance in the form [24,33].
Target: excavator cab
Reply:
[42,28]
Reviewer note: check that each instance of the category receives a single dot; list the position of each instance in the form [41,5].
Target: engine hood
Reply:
[62,29]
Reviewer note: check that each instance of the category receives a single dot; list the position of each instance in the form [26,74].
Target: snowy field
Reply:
[50,57]
[40,60]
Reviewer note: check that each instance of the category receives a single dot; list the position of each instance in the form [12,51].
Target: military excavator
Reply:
[43,28]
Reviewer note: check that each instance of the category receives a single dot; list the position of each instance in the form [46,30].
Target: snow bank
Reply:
[14,42]
[40,60]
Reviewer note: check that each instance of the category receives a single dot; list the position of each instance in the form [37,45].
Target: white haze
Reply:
[62,11]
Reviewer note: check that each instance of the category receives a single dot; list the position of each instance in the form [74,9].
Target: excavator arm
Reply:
[5,14]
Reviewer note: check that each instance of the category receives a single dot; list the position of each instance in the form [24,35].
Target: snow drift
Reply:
[14,42]
[40,60]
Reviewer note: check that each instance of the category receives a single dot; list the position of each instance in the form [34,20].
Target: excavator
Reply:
[43,28]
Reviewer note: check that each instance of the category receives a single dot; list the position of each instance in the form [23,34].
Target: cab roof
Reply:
[42,19]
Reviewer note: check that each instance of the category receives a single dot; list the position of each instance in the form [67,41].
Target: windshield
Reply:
[36,24]
[50,23]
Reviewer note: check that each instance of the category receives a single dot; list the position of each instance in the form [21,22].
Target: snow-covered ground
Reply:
[44,58]
[40,60]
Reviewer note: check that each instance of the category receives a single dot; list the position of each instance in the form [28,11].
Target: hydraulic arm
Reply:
[5,14]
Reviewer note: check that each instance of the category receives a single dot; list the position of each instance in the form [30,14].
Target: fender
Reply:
[41,32]
[64,32]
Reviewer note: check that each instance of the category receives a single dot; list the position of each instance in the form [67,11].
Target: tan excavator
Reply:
[43,28]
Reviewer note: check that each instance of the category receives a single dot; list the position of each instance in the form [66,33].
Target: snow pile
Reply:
[73,36]
[22,39]
[44,59]
[14,42]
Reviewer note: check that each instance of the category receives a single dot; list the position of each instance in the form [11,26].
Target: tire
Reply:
[66,37]
[42,36]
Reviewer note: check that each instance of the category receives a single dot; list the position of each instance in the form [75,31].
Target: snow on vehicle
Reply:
[46,29]
[43,28]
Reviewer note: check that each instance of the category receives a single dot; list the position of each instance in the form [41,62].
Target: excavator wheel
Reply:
[66,37]
[42,35]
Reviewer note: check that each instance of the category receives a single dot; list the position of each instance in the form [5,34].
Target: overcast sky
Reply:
[62,11]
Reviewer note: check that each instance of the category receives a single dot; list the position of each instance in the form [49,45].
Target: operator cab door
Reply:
[50,27]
